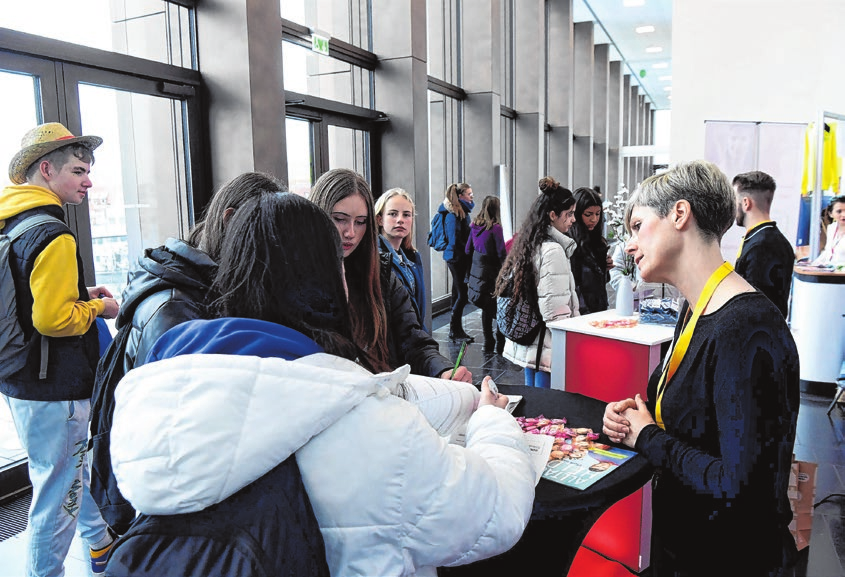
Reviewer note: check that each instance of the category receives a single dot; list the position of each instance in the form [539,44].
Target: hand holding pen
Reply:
[458,373]
[490,394]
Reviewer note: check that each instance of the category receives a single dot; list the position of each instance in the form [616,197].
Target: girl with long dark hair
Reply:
[384,323]
[538,268]
[258,423]
[486,249]
[455,210]
[590,262]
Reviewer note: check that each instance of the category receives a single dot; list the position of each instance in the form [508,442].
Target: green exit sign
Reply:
[320,44]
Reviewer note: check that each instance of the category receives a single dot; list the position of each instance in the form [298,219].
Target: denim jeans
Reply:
[539,379]
[55,437]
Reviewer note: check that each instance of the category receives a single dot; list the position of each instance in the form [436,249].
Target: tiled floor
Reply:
[821,439]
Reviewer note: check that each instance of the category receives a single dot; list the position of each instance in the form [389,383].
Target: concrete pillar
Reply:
[626,129]
[240,47]
[561,88]
[584,57]
[529,103]
[614,129]
[482,66]
[401,91]
[601,77]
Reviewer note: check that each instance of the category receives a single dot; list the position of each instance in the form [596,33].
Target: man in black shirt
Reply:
[765,257]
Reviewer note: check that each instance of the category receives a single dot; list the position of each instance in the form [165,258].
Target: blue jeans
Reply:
[539,379]
[55,437]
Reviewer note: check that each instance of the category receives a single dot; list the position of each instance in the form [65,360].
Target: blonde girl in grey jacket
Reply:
[540,268]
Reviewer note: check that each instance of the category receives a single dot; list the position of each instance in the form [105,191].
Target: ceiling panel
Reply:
[616,24]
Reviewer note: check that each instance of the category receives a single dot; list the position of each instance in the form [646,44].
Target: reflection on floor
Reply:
[821,439]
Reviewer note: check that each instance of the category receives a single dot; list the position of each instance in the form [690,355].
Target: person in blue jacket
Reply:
[395,213]
[455,210]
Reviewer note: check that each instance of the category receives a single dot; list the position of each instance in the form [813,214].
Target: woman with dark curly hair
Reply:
[538,269]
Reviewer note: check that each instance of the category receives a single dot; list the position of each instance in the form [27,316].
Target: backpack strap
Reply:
[31,222]
[14,234]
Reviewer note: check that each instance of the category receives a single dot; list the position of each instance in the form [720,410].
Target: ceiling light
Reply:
[654,49]
[664,78]
[632,3]
[660,65]
[644,29]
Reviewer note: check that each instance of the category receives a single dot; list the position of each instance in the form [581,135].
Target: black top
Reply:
[168,286]
[589,267]
[720,504]
[766,263]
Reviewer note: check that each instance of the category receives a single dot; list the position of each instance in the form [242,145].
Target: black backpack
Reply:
[266,529]
[114,508]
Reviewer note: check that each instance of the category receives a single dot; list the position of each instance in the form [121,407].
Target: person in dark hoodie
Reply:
[486,248]
[169,286]
[170,283]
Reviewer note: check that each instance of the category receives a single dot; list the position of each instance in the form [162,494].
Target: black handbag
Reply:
[519,320]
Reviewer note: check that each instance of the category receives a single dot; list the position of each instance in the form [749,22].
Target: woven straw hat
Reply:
[41,140]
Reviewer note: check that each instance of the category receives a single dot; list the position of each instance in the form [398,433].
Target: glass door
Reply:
[320,140]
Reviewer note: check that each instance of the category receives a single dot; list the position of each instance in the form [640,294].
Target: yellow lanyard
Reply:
[747,235]
[679,348]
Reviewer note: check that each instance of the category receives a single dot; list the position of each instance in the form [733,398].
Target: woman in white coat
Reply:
[538,266]
[222,402]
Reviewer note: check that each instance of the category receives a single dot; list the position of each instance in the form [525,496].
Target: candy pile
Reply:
[569,443]
[614,323]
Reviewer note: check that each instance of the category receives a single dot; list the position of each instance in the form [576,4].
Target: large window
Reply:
[348,21]
[445,167]
[308,72]
[444,41]
[151,29]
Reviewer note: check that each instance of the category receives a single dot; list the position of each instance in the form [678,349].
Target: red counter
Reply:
[611,364]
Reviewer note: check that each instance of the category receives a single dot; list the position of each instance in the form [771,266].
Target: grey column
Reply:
[583,124]
[634,136]
[401,91]
[240,46]
[601,77]
[561,84]
[529,103]
[626,128]
[481,68]
[614,128]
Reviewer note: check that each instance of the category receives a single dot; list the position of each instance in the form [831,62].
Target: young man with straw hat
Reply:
[49,400]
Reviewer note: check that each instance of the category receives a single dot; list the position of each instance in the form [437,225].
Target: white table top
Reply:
[643,334]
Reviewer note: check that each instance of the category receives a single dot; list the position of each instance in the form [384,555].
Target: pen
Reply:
[493,388]
[460,356]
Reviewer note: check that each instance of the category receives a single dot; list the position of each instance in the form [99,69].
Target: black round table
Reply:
[562,516]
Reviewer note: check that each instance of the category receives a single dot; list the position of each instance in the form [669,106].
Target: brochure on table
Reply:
[597,461]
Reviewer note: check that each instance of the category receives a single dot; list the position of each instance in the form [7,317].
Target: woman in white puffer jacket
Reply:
[538,264]
[222,402]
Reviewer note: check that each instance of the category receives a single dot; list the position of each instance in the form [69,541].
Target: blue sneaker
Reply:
[99,557]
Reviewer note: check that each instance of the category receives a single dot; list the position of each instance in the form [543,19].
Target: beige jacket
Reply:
[557,297]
